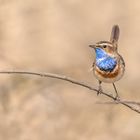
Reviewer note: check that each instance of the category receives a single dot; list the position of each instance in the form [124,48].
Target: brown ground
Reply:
[53,36]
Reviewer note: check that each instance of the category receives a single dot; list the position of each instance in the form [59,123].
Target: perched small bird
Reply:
[109,65]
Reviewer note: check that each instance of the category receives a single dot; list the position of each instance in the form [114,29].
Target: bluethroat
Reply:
[109,65]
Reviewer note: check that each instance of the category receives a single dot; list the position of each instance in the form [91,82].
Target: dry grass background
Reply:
[53,36]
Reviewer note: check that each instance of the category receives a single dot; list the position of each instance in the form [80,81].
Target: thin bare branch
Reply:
[112,102]
[135,106]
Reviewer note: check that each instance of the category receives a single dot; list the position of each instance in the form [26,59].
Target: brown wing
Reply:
[122,60]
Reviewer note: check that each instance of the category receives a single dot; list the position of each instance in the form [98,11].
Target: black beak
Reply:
[92,46]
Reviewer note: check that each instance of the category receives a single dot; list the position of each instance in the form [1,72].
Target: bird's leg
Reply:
[99,88]
[117,95]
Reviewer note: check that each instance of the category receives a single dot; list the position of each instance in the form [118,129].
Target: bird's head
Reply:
[105,46]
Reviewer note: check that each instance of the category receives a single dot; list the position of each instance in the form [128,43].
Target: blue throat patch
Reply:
[104,61]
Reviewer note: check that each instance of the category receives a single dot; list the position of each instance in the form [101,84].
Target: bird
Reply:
[109,65]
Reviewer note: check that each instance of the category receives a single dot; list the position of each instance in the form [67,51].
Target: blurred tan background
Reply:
[53,36]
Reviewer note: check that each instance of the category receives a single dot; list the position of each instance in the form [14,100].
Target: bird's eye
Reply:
[104,46]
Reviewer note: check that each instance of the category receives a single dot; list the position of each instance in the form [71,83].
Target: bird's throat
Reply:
[104,61]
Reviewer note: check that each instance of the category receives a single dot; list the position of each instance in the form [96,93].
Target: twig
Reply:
[112,102]
[128,104]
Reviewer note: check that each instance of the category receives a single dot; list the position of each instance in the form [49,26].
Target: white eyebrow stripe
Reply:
[107,44]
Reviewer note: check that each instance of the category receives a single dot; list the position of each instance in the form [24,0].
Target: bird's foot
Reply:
[117,98]
[99,91]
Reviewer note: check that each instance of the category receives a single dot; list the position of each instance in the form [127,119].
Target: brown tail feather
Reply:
[115,34]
